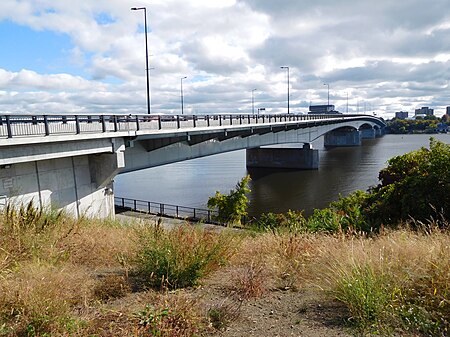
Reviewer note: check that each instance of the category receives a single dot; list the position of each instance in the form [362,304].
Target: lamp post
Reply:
[182,102]
[253,101]
[287,68]
[149,87]
[146,55]
[328,93]
[347,101]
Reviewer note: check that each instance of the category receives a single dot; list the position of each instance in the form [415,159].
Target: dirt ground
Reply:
[305,313]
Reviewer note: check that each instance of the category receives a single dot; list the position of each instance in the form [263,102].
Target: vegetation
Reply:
[179,257]
[232,207]
[65,277]
[427,124]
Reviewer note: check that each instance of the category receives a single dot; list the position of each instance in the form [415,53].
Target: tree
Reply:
[232,207]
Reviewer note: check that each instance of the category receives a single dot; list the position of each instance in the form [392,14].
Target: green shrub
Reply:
[179,257]
[324,220]
[415,185]
[232,207]
[291,221]
[351,210]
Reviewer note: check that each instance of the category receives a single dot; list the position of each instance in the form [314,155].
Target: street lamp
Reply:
[328,93]
[287,68]
[347,101]
[146,55]
[253,101]
[182,103]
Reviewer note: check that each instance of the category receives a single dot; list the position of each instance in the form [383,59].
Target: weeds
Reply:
[222,314]
[179,257]
[170,316]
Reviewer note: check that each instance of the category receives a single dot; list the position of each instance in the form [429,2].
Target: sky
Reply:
[88,56]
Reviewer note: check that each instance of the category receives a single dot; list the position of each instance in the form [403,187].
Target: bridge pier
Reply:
[305,158]
[342,137]
[368,133]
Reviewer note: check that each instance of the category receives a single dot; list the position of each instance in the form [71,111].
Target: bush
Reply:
[415,185]
[179,257]
[292,221]
[232,207]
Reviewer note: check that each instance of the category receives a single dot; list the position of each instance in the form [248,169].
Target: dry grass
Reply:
[70,278]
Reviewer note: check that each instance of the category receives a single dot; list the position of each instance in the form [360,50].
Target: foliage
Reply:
[351,212]
[414,185]
[292,221]
[405,126]
[232,207]
[179,257]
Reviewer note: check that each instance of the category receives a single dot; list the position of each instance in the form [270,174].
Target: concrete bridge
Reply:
[70,161]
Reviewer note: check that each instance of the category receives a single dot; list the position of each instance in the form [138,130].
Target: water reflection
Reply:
[341,171]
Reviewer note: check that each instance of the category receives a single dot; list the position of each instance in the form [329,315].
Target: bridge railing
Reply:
[45,125]
[166,210]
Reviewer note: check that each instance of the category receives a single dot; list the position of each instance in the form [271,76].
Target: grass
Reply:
[62,277]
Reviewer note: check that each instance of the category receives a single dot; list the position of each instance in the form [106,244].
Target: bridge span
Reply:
[70,161]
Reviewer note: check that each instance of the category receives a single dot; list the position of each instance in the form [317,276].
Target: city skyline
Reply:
[89,56]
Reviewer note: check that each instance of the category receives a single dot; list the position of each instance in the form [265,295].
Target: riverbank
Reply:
[64,277]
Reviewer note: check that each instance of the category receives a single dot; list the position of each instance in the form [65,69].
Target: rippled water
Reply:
[341,171]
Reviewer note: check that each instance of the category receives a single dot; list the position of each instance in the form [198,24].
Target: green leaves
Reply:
[232,207]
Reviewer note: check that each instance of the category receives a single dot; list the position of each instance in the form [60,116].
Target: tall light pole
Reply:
[347,101]
[328,93]
[150,87]
[287,68]
[253,101]
[146,55]
[182,102]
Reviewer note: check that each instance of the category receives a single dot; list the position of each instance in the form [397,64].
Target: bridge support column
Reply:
[342,137]
[305,158]
[368,133]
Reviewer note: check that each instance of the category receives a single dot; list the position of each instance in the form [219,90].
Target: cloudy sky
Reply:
[65,56]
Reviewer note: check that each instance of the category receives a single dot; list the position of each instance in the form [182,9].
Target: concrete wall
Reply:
[57,183]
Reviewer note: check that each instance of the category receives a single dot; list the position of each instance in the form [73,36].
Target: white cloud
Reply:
[384,53]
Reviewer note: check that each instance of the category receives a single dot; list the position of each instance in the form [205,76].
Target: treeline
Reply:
[428,124]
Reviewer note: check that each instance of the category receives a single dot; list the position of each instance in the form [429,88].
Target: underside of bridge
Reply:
[77,175]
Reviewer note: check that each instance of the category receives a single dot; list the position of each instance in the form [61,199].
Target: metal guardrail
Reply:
[166,210]
[45,125]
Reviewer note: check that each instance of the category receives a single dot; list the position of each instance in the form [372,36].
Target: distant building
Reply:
[447,111]
[424,111]
[401,114]
[322,109]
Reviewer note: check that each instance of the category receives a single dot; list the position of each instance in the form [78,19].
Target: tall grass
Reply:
[179,257]
[400,280]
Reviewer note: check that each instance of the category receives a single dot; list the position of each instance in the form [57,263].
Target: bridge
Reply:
[70,161]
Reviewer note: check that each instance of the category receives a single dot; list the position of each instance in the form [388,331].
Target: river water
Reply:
[341,171]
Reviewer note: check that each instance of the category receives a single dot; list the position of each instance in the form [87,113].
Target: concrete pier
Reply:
[342,137]
[367,133]
[292,158]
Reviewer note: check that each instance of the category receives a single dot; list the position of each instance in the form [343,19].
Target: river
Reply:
[341,171]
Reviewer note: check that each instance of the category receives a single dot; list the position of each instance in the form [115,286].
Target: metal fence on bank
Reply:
[166,210]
